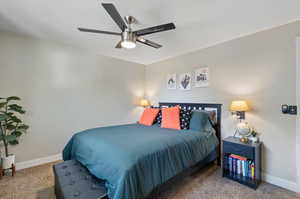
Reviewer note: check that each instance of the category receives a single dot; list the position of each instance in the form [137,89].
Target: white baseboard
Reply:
[292,186]
[39,161]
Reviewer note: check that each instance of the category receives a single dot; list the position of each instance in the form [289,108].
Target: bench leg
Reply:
[1,172]
[13,168]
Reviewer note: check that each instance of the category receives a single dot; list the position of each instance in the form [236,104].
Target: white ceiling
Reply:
[200,23]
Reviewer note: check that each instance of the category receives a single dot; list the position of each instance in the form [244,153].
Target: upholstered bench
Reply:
[73,181]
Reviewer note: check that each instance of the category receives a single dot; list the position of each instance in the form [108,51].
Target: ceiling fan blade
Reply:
[112,11]
[98,31]
[155,29]
[148,42]
[119,45]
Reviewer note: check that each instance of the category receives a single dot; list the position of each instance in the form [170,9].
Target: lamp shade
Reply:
[144,102]
[239,105]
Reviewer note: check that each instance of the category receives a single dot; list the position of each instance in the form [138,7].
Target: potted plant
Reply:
[11,127]
[254,135]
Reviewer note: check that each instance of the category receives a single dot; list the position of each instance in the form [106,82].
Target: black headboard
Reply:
[209,107]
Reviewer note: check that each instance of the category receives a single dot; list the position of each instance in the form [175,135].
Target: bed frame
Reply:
[215,155]
[217,108]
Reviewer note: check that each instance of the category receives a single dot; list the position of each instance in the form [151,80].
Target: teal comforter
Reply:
[134,159]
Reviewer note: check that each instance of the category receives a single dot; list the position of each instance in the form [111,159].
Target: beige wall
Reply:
[64,91]
[259,68]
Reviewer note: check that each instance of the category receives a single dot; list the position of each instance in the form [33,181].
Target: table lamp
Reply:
[144,103]
[239,107]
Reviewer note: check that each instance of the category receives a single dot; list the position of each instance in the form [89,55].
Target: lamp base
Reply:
[244,140]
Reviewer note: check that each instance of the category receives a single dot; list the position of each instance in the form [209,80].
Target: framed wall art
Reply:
[185,80]
[171,81]
[202,77]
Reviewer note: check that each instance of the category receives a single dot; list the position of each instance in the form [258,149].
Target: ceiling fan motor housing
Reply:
[128,36]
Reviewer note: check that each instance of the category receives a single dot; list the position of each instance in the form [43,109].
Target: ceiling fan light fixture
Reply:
[128,44]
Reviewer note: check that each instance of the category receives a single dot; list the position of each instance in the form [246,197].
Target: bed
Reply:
[134,159]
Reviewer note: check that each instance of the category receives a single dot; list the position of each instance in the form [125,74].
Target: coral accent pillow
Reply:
[171,118]
[148,116]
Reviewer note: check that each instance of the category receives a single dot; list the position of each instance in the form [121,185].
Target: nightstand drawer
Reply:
[238,149]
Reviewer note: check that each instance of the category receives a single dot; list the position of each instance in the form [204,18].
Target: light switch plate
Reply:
[293,110]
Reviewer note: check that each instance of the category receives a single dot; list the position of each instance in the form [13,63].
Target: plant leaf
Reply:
[16,108]
[17,133]
[2,104]
[9,138]
[3,117]
[23,127]
[13,98]
[10,114]
[15,119]
[14,142]
[10,126]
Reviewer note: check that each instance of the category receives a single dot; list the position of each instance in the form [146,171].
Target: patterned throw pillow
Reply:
[158,118]
[185,117]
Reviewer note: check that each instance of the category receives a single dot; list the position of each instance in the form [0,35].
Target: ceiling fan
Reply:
[128,36]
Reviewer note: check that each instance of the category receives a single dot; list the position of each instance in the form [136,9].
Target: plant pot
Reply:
[7,162]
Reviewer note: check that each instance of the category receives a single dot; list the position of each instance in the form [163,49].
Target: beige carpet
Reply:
[206,184]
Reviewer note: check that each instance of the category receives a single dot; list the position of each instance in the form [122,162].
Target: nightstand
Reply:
[242,161]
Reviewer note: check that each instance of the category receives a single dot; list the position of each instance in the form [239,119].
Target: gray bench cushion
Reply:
[73,181]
